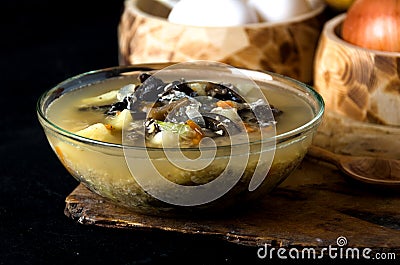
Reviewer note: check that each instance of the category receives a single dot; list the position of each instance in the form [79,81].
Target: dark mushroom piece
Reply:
[118,106]
[219,125]
[223,92]
[151,128]
[206,88]
[148,91]
[263,117]
[160,113]
[103,108]
[185,88]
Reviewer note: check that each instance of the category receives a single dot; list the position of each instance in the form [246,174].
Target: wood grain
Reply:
[312,208]
[287,47]
[358,83]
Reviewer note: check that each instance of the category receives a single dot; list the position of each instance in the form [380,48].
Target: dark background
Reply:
[42,43]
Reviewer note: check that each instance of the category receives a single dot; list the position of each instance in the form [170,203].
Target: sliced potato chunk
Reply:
[103,99]
[100,132]
[117,122]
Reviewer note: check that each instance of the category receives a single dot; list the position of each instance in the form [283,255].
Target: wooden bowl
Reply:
[358,83]
[145,36]
[361,90]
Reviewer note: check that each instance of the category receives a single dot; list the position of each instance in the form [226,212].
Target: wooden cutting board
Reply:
[312,208]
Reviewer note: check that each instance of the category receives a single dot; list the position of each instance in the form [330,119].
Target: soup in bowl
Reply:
[167,139]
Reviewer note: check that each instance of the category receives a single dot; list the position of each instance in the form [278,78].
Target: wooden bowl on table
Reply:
[287,47]
[361,89]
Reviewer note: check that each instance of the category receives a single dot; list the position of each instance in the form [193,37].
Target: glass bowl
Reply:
[174,180]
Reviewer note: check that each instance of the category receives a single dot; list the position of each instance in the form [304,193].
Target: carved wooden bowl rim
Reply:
[318,7]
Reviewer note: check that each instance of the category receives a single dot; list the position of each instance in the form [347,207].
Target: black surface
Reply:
[43,43]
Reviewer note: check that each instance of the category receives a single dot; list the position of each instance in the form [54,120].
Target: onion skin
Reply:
[373,25]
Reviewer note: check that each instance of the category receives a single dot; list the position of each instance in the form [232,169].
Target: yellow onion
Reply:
[373,24]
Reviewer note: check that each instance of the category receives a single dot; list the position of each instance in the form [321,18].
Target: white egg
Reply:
[278,10]
[213,13]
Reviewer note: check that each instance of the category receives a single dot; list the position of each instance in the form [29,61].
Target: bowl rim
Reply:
[317,8]
[116,70]
[330,32]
